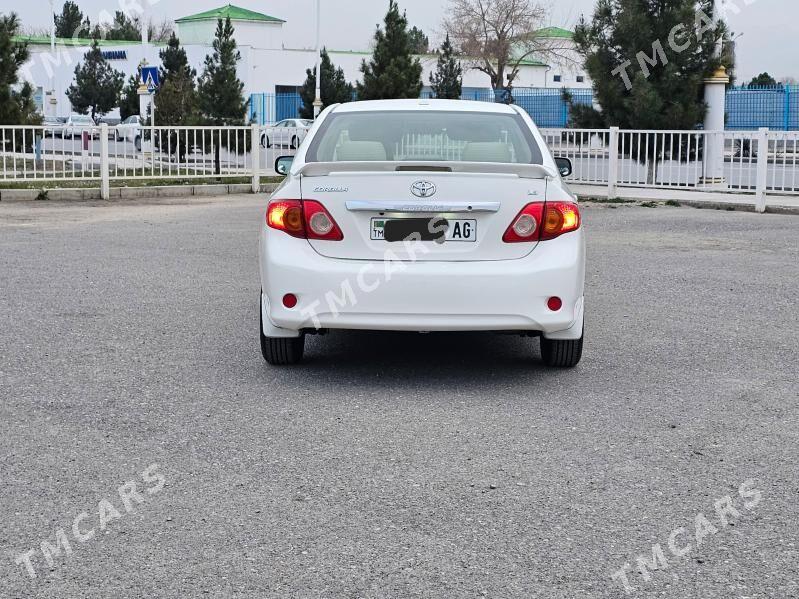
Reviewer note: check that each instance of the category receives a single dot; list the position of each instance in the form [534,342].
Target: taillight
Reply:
[305,219]
[526,225]
[286,215]
[560,218]
[319,223]
[539,221]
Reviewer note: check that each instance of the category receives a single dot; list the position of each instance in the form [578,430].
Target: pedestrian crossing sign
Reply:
[149,77]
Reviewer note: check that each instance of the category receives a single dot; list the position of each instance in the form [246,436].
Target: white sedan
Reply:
[423,215]
[76,124]
[286,133]
[130,130]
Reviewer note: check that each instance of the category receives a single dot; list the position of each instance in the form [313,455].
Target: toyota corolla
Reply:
[422,215]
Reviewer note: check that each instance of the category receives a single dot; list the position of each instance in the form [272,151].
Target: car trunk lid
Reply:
[471,204]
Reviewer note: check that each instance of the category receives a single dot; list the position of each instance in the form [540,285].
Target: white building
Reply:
[269,65]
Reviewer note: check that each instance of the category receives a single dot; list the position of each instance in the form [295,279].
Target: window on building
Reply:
[580,78]
[556,78]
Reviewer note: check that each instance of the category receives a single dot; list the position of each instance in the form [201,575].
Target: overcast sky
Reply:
[770,28]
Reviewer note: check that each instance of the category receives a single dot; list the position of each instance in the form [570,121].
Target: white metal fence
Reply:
[53,154]
[748,162]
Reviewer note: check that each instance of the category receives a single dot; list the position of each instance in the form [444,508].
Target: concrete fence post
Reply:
[613,162]
[105,184]
[762,169]
[255,153]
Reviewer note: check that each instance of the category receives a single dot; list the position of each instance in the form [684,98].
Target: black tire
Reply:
[294,143]
[267,143]
[137,144]
[280,351]
[561,353]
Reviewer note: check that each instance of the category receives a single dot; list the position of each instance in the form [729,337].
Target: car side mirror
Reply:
[283,165]
[564,166]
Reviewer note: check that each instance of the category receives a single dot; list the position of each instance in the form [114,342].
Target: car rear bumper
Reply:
[506,295]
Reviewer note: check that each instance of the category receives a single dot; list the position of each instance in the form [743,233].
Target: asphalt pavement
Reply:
[393,465]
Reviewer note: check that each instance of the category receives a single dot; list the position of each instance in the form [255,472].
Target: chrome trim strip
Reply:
[419,206]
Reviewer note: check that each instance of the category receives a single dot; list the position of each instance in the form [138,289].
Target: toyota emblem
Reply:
[423,189]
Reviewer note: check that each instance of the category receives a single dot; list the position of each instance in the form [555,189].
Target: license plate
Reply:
[456,229]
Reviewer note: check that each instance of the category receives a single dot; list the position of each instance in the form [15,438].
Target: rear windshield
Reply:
[418,136]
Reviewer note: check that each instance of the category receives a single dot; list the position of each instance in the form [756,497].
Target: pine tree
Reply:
[447,80]
[124,28]
[97,85]
[420,43]
[70,23]
[16,103]
[763,80]
[219,90]
[174,60]
[176,97]
[670,95]
[393,72]
[334,88]
[129,98]
[624,48]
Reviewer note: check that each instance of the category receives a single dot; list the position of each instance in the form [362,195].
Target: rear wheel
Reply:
[280,351]
[561,353]
[137,143]
[295,143]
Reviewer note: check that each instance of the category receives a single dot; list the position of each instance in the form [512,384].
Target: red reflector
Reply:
[554,303]
[289,300]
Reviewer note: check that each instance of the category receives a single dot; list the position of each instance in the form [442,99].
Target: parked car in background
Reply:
[76,124]
[288,132]
[53,126]
[112,122]
[130,130]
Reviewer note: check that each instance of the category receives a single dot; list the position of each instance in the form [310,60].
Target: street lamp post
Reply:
[317,103]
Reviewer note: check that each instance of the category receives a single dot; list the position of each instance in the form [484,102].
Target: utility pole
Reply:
[51,100]
[317,103]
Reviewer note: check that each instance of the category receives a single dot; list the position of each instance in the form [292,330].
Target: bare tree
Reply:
[498,36]
[160,32]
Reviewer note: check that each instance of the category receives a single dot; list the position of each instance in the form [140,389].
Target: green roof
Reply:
[44,40]
[555,32]
[235,13]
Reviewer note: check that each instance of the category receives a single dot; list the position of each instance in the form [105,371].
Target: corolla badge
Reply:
[423,189]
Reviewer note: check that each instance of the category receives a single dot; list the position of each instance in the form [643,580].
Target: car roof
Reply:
[425,105]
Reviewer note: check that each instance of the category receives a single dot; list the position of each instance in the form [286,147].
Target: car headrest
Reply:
[358,151]
[486,151]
